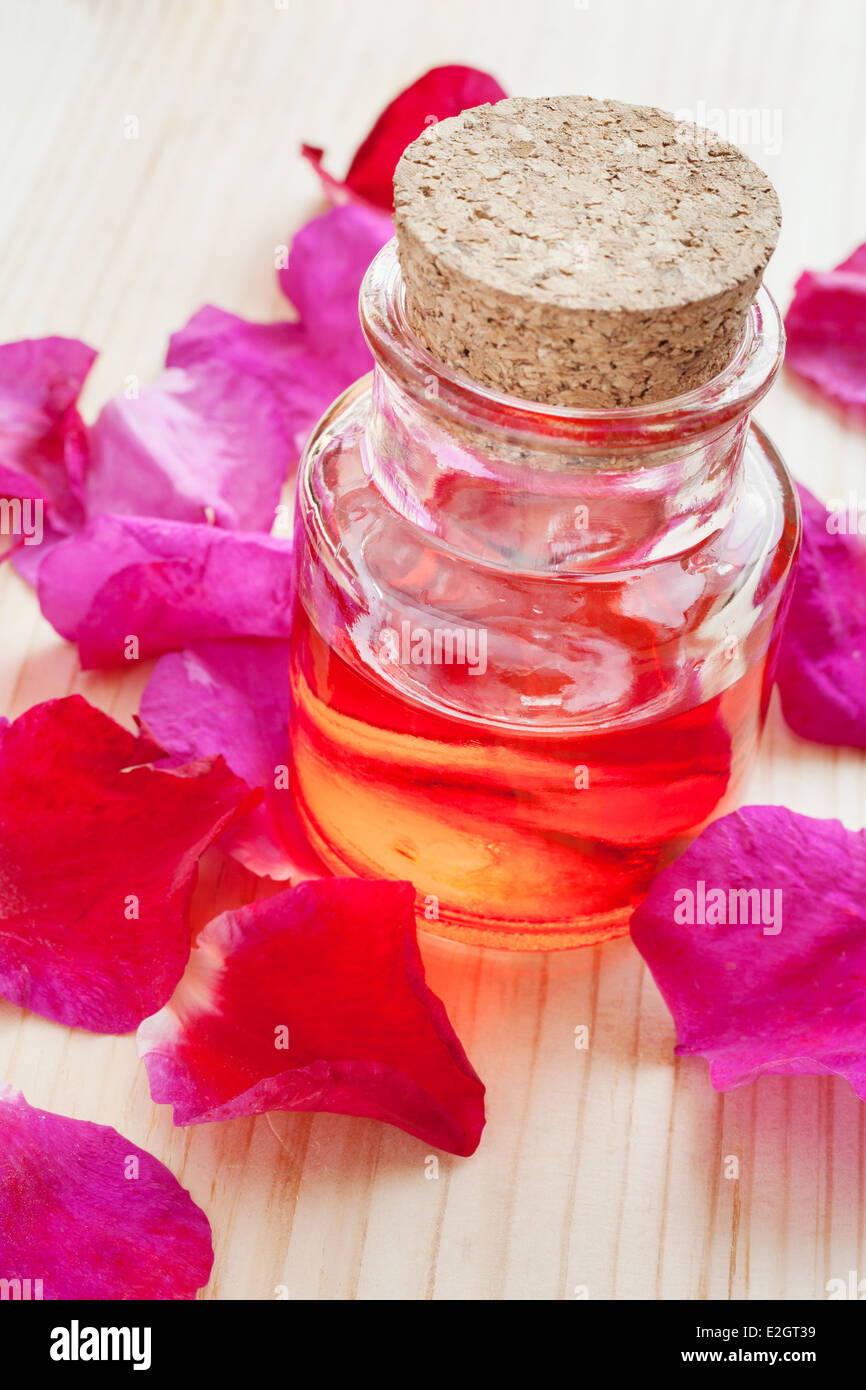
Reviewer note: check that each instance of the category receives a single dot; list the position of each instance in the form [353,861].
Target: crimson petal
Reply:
[315,1000]
[441,92]
[98,854]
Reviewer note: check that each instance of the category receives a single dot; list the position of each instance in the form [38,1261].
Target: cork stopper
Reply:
[579,252]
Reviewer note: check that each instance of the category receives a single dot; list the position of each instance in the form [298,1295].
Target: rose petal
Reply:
[826,331]
[205,444]
[856,262]
[441,92]
[335,963]
[168,584]
[276,354]
[232,698]
[781,990]
[97,859]
[27,560]
[264,351]
[89,1214]
[822,660]
[223,697]
[304,365]
[43,445]
[327,262]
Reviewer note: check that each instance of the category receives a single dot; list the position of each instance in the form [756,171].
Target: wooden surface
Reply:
[602,1172]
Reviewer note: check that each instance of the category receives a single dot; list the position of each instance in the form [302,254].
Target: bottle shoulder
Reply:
[558,644]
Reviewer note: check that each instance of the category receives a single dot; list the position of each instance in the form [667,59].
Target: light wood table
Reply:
[601,1171]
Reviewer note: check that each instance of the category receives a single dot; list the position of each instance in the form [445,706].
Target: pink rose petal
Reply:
[822,661]
[327,262]
[43,445]
[279,355]
[441,92]
[779,987]
[167,584]
[826,331]
[306,365]
[315,1000]
[98,855]
[90,1215]
[267,352]
[27,560]
[223,697]
[232,698]
[205,444]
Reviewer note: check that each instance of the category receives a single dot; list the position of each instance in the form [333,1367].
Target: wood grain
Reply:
[602,1171]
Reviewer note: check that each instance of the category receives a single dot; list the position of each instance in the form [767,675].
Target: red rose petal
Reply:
[97,859]
[781,989]
[336,963]
[196,445]
[826,331]
[168,584]
[89,1214]
[441,92]
[822,660]
[232,698]
[43,445]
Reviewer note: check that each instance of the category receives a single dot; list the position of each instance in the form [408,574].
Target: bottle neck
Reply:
[544,489]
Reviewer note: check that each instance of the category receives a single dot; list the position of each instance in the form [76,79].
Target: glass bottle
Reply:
[534,645]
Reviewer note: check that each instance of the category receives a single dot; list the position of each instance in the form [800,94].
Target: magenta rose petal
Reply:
[223,697]
[315,1000]
[303,366]
[43,442]
[90,1215]
[328,259]
[98,855]
[264,351]
[826,331]
[276,354]
[822,661]
[204,444]
[132,587]
[232,698]
[441,92]
[756,938]
[27,560]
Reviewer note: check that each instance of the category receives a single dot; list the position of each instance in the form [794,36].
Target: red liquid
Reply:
[520,837]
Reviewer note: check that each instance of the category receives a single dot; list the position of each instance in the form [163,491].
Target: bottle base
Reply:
[490,932]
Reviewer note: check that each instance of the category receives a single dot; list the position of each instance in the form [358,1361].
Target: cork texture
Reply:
[581,252]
